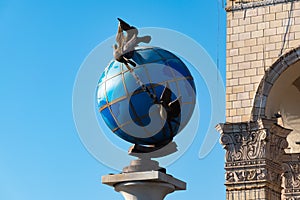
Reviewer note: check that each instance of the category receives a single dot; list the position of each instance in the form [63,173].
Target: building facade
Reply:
[261,136]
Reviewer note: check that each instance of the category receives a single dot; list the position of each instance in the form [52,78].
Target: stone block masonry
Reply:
[258,32]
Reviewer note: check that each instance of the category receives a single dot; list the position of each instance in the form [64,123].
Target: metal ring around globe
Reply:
[92,134]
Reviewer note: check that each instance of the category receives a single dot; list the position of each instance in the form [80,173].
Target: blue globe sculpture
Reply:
[130,112]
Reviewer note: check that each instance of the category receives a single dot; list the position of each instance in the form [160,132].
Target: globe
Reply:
[128,101]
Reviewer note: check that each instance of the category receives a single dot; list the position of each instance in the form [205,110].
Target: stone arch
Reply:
[278,96]
[268,81]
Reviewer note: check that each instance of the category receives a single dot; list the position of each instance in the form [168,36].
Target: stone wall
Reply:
[263,61]
[257,35]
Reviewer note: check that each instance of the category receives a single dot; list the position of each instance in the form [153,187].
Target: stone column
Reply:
[254,153]
[291,177]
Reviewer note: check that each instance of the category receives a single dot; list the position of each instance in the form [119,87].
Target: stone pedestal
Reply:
[144,179]
[146,185]
[140,190]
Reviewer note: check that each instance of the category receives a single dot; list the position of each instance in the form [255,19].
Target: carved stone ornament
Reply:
[246,175]
[291,177]
[254,153]
[237,5]
[252,141]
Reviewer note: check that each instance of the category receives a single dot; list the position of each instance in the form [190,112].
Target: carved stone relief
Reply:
[291,177]
[254,153]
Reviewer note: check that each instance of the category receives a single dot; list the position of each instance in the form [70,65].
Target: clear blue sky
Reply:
[42,45]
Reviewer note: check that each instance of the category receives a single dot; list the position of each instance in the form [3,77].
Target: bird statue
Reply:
[124,49]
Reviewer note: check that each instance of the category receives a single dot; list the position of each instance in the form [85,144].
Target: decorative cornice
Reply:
[244,146]
[262,139]
[249,5]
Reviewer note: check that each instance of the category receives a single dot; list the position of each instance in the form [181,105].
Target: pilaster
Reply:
[254,153]
[291,177]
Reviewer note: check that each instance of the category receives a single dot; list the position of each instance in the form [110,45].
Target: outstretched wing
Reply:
[145,39]
[125,26]
[120,38]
